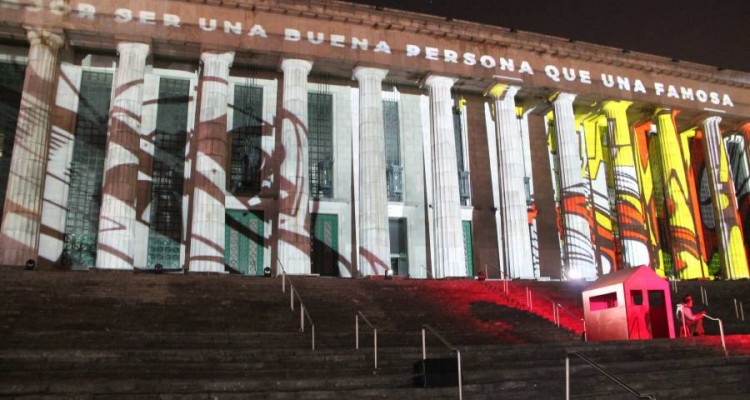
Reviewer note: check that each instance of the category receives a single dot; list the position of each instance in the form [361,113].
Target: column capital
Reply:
[439,80]
[665,110]
[370,72]
[133,47]
[289,64]
[616,106]
[710,120]
[501,91]
[563,97]
[38,36]
[221,57]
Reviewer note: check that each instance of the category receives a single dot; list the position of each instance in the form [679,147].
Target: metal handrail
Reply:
[721,329]
[375,334]
[600,370]
[721,332]
[302,310]
[570,313]
[739,313]
[556,306]
[428,273]
[450,347]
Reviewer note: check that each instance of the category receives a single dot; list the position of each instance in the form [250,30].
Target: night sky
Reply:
[712,32]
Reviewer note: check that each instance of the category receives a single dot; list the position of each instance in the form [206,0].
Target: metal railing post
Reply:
[736,310]
[375,340]
[567,377]
[531,301]
[585,335]
[528,302]
[554,313]
[723,344]
[291,297]
[301,317]
[374,337]
[460,382]
[450,347]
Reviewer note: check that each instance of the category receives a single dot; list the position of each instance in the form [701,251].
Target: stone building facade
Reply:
[337,139]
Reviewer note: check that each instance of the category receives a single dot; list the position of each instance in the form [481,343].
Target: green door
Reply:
[324,253]
[468,248]
[243,242]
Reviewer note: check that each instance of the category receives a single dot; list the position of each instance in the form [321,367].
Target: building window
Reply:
[86,170]
[320,144]
[11,86]
[394,168]
[165,234]
[399,246]
[464,184]
[246,135]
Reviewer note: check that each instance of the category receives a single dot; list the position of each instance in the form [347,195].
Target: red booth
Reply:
[633,303]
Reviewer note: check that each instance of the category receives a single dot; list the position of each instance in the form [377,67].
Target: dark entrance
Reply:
[324,252]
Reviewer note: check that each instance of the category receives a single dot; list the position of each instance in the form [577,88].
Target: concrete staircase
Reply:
[109,335]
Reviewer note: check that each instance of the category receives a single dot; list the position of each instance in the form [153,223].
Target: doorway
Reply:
[399,246]
[324,251]
[243,242]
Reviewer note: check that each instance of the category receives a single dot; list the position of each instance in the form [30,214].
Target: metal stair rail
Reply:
[686,331]
[721,332]
[559,307]
[600,370]
[302,310]
[356,334]
[556,306]
[425,328]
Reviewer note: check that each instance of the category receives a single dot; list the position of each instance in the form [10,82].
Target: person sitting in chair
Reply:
[693,323]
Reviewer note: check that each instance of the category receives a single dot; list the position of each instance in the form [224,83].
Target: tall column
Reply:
[374,241]
[211,143]
[578,253]
[19,235]
[683,236]
[294,236]
[633,235]
[513,210]
[724,202]
[596,168]
[743,190]
[116,238]
[450,257]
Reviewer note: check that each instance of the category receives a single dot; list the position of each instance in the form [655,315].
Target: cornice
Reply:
[476,33]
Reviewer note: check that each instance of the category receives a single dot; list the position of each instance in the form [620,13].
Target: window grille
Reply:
[246,136]
[527,189]
[320,144]
[394,169]
[165,232]
[11,87]
[464,184]
[87,169]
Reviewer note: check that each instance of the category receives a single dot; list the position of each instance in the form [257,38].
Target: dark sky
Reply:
[712,32]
